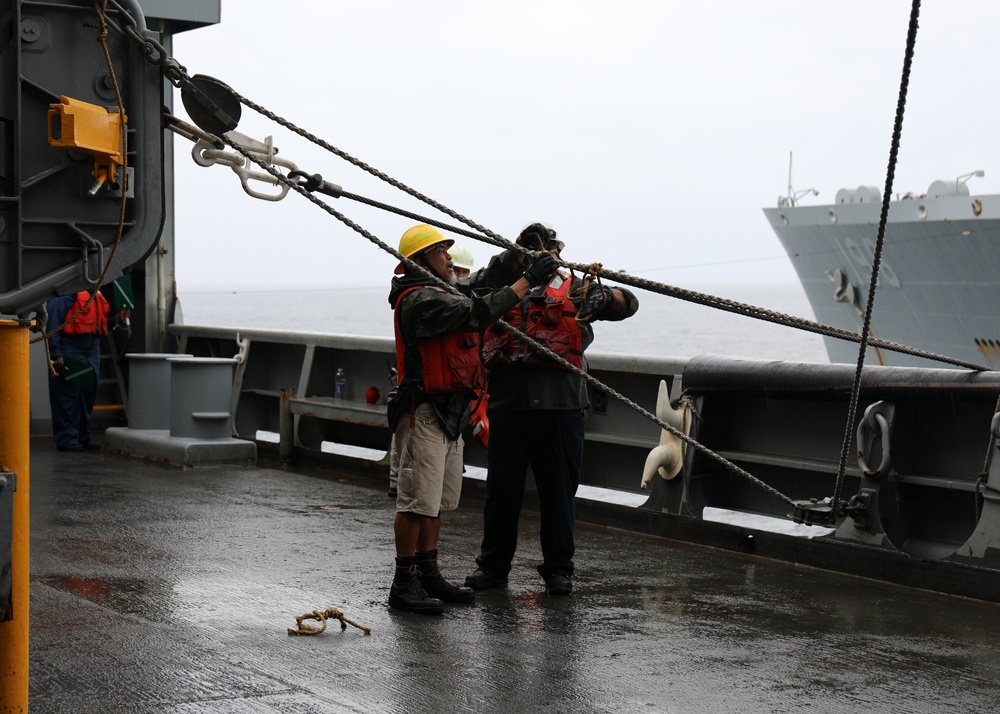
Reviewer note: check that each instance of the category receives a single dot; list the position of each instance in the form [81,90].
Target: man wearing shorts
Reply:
[439,367]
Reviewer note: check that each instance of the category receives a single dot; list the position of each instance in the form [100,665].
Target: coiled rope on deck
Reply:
[322,616]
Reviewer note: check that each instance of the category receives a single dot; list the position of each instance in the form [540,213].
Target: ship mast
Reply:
[793,196]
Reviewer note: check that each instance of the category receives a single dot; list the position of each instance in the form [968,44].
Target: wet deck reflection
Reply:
[159,590]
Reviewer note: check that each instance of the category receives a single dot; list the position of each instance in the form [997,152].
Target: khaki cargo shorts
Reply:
[430,465]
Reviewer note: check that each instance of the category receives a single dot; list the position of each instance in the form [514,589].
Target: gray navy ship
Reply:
[939,277]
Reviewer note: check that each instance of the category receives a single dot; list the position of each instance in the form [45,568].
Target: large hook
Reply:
[876,423]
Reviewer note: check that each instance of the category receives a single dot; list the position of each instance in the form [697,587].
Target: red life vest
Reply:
[451,362]
[550,321]
[479,420]
[93,320]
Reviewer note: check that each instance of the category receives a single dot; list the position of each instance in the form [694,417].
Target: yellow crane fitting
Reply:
[89,128]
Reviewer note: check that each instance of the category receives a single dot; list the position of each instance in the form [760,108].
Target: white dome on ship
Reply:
[941,189]
[861,194]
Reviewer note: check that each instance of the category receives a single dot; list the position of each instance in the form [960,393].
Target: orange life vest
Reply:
[479,420]
[451,362]
[549,320]
[91,321]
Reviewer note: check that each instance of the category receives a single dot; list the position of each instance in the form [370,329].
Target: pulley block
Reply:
[211,104]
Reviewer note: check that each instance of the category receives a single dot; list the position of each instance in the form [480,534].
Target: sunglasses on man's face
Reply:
[439,249]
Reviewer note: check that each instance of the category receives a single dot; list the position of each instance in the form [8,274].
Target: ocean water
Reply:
[665,327]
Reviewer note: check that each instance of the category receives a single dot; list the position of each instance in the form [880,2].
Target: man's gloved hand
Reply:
[598,297]
[541,270]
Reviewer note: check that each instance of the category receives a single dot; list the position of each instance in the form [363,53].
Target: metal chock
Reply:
[91,129]
[814,512]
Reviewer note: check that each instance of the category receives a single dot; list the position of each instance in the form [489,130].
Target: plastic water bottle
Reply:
[340,384]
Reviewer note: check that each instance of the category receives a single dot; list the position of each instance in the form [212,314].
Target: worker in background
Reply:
[439,367]
[75,353]
[461,260]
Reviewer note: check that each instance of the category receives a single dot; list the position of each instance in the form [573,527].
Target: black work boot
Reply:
[408,594]
[435,584]
[483,579]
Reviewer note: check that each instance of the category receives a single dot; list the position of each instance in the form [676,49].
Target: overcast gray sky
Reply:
[650,134]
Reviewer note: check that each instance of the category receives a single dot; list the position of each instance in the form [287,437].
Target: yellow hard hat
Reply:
[461,256]
[417,239]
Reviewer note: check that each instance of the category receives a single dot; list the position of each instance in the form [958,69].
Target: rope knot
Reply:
[322,616]
[592,293]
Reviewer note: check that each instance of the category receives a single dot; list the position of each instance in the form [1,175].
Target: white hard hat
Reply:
[461,257]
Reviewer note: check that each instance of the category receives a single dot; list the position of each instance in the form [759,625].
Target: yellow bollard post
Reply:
[15,415]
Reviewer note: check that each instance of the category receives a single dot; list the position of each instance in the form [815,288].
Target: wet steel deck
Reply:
[161,590]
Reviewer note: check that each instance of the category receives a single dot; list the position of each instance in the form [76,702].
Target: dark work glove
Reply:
[598,297]
[541,270]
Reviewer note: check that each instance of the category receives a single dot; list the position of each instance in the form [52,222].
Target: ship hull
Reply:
[939,277]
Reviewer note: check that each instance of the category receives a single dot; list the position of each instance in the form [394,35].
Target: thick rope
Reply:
[712,301]
[497,240]
[493,238]
[322,616]
[715,302]
[897,130]
[597,384]
[178,76]
[487,236]
[586,314]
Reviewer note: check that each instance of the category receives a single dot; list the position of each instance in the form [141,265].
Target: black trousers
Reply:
[551,442]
